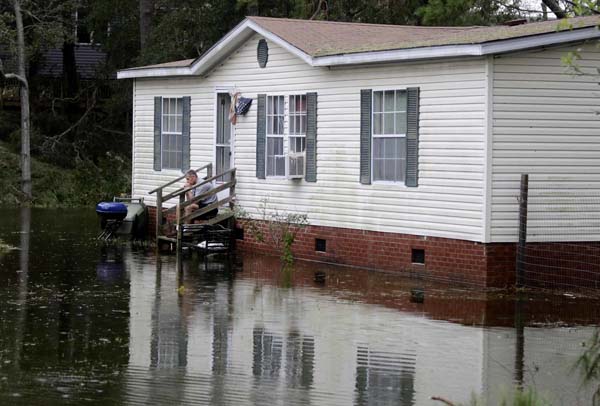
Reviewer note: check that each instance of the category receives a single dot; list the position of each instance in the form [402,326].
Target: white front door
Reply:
[224,141]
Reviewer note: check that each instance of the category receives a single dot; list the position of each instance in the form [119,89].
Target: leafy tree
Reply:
[187,28]
[26,28]
[469,12]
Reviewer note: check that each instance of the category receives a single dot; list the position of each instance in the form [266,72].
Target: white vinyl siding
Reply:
[546,124]
[449,199]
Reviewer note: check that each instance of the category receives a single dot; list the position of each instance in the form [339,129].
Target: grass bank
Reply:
[84,185]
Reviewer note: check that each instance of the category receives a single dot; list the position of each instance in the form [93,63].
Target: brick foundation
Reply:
[549,265]
[449,260]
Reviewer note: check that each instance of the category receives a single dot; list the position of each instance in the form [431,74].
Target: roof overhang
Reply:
[247,28]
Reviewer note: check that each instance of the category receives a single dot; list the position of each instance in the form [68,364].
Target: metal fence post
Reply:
[520,265]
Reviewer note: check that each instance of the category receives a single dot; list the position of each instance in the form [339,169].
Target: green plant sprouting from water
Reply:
[4,248]
[276,227]
[526,397]
[588,364]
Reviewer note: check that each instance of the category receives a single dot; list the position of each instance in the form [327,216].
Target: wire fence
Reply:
[561,232]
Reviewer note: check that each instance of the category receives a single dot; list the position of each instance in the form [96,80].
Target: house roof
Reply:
[88,59]
[173,64]
[326,38]
[325,43]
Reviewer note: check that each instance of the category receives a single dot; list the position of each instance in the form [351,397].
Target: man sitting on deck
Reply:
[191,178]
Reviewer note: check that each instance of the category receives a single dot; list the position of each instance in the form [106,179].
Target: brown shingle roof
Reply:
[324,38]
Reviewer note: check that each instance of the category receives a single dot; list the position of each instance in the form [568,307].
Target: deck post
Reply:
[159,215]
[178,223]
[232,190]
[209,172]
[520,265]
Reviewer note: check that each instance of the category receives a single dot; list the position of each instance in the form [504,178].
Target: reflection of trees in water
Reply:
[23,282]
[385,378]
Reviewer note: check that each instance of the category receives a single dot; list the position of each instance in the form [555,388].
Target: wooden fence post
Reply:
[520,265]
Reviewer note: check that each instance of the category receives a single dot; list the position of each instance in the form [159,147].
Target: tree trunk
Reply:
[25,121]
[555,7]
[146,14]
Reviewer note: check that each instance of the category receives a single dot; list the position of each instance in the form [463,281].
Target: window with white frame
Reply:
[275,135]
[171,141]
[286,123]
[297,135]
[389,135]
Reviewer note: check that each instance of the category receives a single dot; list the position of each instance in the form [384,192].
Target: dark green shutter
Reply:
[412,137]
[261,135]
[365,136]
[185,134]
[311,137]
[157,132]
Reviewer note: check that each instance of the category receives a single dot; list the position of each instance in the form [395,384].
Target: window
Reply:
[389,135]
[297,135]
[275,134]
[171,142]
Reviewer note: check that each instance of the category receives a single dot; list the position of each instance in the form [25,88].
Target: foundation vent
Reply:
[320,245]
[418,256]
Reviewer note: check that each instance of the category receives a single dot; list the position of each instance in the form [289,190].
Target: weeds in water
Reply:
[4,248]
[527,397]
[275,227]
[588,365]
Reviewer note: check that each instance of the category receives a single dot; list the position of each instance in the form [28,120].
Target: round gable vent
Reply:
[262,53]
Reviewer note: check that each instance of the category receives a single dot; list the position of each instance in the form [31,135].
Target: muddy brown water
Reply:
[87,323]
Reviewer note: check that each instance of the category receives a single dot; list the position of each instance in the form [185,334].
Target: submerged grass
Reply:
[86,184]
[4,248]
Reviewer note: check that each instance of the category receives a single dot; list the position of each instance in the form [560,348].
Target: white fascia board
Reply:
[536,41]
[446,51]
[449,51]
[152,72]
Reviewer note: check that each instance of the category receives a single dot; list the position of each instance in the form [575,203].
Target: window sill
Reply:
[389,183]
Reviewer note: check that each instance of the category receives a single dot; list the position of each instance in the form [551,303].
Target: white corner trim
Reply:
[488,143]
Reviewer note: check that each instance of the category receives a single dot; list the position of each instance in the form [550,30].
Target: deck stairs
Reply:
[171,221]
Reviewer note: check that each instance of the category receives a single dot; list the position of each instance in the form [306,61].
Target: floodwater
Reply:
[85,323]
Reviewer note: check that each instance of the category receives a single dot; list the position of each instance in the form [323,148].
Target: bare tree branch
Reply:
[51,142]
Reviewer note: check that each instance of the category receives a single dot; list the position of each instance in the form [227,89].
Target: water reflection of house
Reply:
[248,341]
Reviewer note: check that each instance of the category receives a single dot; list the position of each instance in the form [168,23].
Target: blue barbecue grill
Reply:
[122,217]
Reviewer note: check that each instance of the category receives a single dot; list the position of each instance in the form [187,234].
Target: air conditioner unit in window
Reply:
[296,165]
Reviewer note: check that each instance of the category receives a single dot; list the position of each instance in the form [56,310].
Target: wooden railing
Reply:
[182,203]
[160,200]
